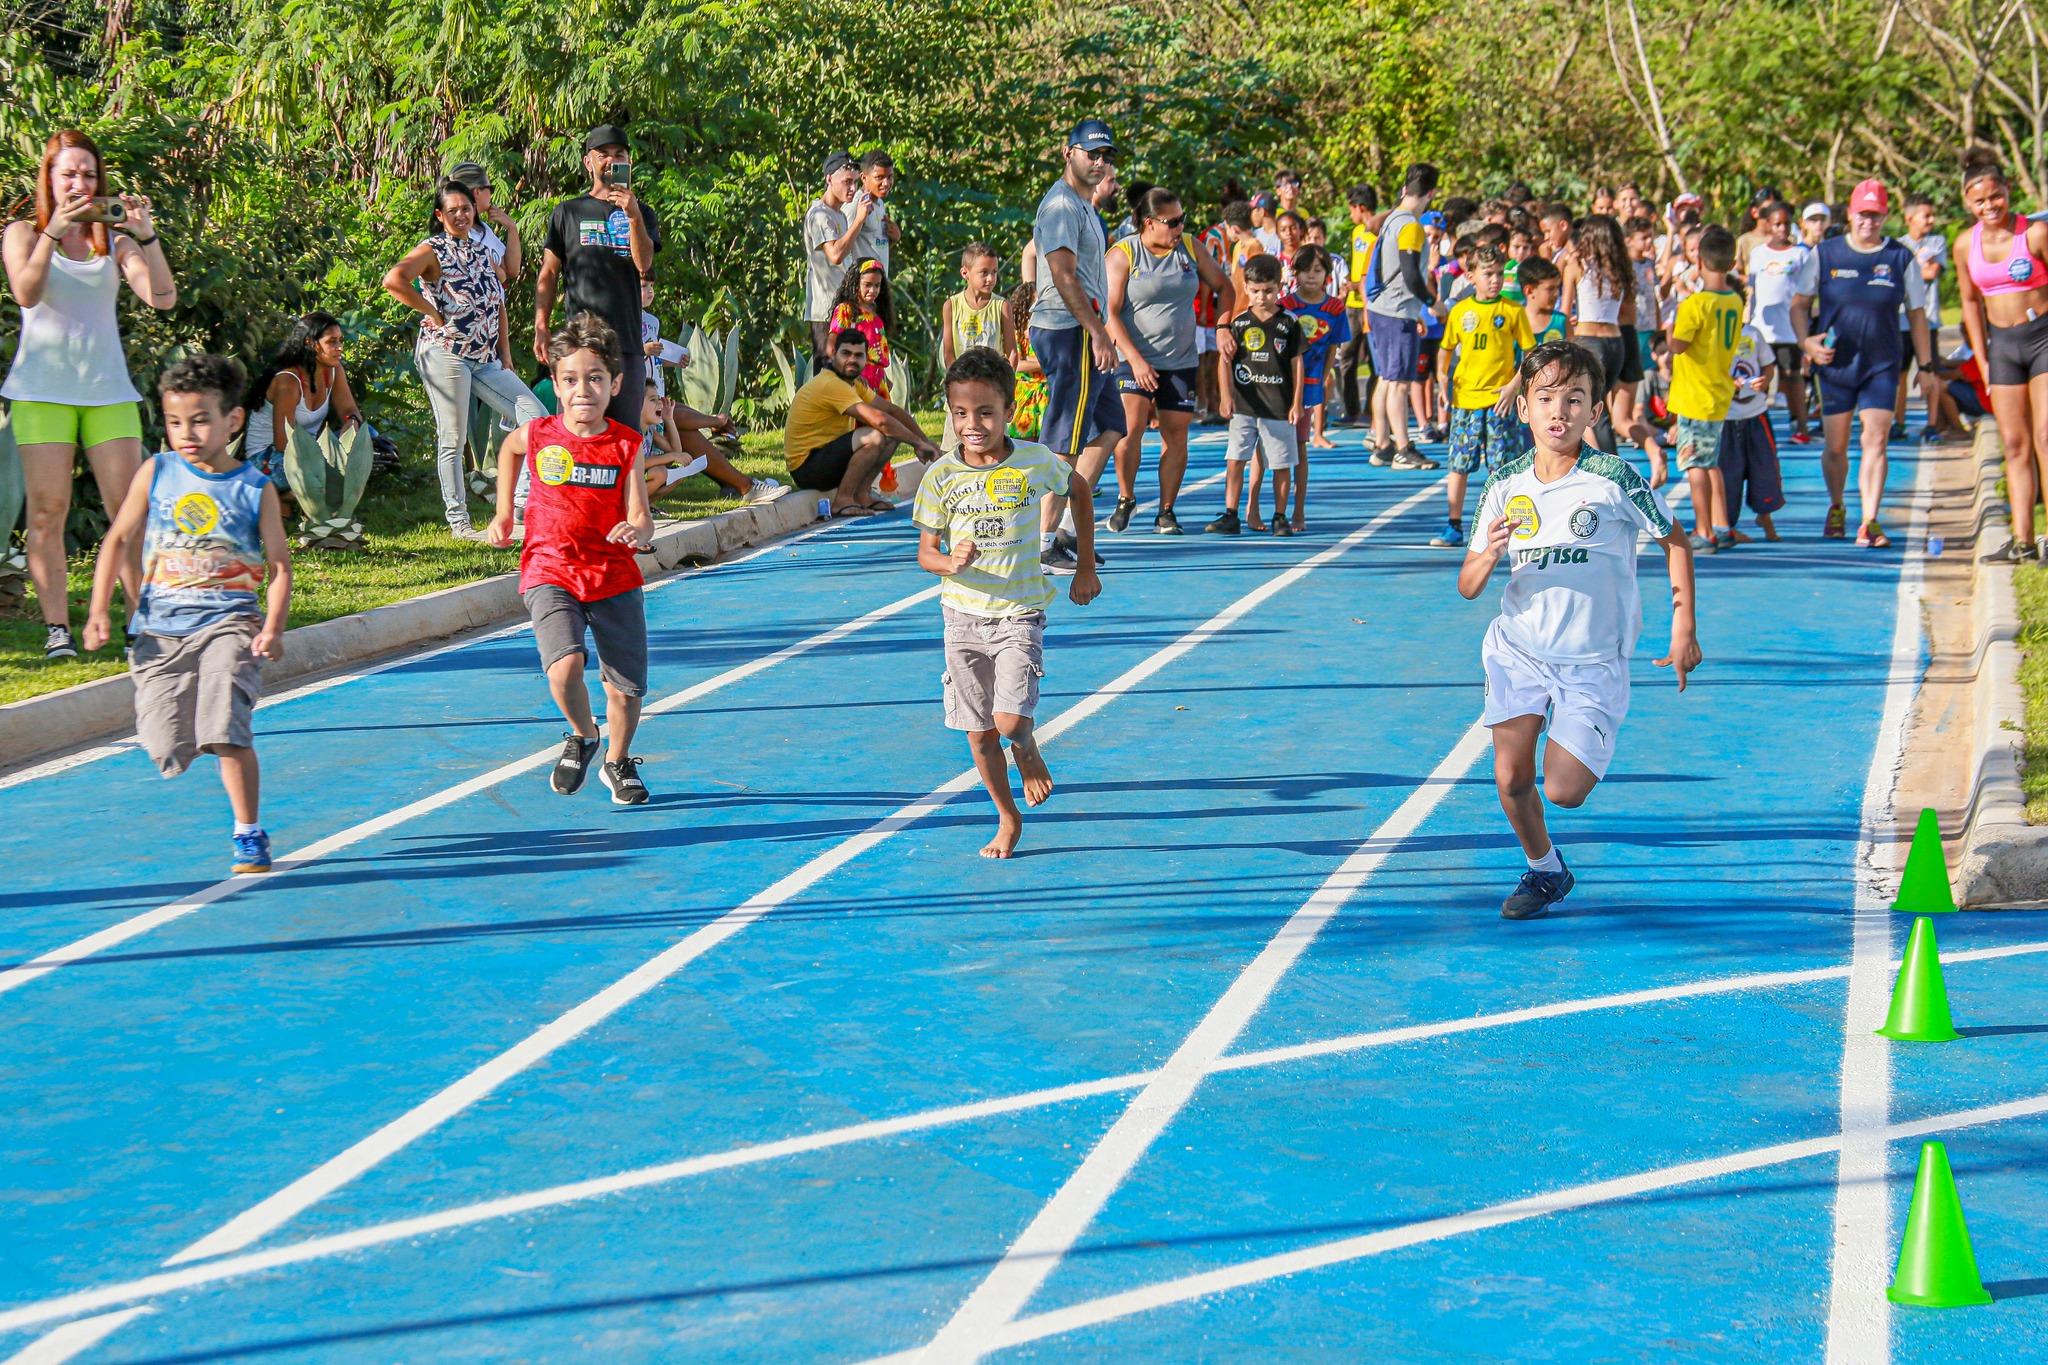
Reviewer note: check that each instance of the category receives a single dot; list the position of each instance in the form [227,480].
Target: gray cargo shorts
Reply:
[993,663]
[195,694]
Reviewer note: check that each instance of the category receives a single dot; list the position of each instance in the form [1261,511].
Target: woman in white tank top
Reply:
[305,385]
[69,387]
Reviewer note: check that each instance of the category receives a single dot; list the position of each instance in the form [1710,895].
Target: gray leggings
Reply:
[451,381]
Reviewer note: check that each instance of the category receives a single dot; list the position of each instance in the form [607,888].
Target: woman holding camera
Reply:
[69,387]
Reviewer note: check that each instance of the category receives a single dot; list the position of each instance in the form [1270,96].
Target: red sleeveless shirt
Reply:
[576,493]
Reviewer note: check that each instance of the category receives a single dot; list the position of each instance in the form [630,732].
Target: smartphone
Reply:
[619,174]
[105,209]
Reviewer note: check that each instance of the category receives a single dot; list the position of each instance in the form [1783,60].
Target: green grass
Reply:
[410,553]
[2031,583]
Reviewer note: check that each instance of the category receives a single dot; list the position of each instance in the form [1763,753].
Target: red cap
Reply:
[1869,196]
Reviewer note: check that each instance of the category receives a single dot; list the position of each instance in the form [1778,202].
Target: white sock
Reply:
[242,828]
[1045,540]
[1067,521]
[1549,862]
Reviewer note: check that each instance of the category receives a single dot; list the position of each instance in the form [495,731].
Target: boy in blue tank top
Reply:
[211,529]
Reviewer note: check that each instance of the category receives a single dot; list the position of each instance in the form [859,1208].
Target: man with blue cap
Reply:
[1084,417]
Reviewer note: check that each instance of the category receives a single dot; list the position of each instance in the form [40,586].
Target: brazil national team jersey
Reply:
[996,507]
[1485,336]
[1710,322]
[1571,594]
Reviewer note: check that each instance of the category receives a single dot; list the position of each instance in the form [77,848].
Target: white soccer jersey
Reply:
[1571,595]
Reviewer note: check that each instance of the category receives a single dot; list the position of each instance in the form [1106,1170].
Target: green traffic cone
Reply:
[1923,888]
[1919,1012]
[1936,1268]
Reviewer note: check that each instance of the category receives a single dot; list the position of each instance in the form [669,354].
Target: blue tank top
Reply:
[202,550]
[1861,295]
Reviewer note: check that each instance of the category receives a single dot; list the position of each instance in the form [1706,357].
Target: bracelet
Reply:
[144,241]
[58,240]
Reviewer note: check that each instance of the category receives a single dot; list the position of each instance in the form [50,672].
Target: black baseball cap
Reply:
[836,163]
[470,174]
[1092,135]
[606,135]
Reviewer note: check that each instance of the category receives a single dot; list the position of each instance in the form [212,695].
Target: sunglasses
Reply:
[1104,154]
[1175,223]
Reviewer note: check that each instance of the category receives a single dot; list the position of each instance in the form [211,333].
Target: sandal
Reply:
[1872,537]
[854,510]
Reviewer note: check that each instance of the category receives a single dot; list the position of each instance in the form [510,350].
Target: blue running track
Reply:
[1236,1062]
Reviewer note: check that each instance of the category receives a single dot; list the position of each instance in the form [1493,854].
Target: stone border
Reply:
[104,708]
[2004,859]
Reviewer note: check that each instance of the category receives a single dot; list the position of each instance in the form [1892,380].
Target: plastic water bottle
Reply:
[1935,545]
[824,509]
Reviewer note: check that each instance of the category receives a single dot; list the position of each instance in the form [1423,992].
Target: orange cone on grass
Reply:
[1924,888]
[1936,1267]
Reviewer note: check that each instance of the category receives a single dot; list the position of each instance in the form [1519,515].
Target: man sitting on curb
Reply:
[840,436]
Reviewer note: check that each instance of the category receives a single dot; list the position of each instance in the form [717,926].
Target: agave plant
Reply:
[327,475]
[707,383]
[897,377]
[794,366]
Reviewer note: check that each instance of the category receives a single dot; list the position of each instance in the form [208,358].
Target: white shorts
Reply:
[1272,436]
[1205,340]
[1583,705]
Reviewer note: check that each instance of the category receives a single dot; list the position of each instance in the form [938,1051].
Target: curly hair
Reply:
[586,332]
[849,293]
[1597,242]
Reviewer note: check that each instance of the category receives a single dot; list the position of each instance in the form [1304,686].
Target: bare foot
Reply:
[1008,832]
[1300,525]
[1254,523]
[1739,537]
[1320,442]
[1031,767]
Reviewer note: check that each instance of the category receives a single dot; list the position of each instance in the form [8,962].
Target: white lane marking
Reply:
[54,1348]
[43,964]
[85,756]
[996,1301]
[1095,1312]
[466,1215]
[1859,1315]
[279,1208]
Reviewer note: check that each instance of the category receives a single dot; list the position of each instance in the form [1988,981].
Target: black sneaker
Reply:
[1282,527]
[1381,455]
[574,764]
[1166,523]
[58,644]
[1120,518]
[1408,457]
[1537,892]
[1060,561]
[1072,549]
[623,777]
[1225,525]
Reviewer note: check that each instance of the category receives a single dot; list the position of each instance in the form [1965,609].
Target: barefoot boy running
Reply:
[209,525]
[977,518]
[586,516]
[1557,658]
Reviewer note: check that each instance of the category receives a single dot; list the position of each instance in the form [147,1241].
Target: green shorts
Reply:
[71,425]
[1698,442]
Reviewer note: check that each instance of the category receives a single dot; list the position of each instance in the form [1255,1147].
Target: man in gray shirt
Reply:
[1394,317]
[1084,418]
[831,231]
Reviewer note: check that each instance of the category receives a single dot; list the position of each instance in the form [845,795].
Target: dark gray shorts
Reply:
[993,663]
[618,622]
[196,693]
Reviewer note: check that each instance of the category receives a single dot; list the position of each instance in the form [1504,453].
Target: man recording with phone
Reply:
[598,246]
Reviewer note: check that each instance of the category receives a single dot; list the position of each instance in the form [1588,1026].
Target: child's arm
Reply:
[1081,502]
[1478,566]
[1685,649]
[637,529]
[1444,351]
[511,454]
[1300,382]
[1505,404]
[114,549]
[945,563]
[277,551]
[946,356]
[1008,327]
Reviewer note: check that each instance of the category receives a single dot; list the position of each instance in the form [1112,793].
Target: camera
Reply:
[105,208]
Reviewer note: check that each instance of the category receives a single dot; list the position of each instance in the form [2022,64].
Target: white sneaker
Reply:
[764,490]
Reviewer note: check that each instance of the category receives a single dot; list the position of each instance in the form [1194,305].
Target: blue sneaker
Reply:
[252,852]
[1450,538]
[1537,892]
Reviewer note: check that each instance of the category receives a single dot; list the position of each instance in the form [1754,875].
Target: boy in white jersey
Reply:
[1557,657]
[977,519]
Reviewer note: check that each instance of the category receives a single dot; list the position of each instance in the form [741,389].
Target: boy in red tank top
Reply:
[586,517]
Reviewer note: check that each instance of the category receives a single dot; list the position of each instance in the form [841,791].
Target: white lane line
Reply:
[264,1217]
[1859,1315]
[555,1196]
[996,1301]
[54,1348]
[108,750]
[15,977]
[1095,1312]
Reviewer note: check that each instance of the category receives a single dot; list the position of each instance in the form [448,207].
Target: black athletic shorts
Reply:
[2017,353]
[1175,391]
[1609,352]
[824,467]
[1631,356]
[1791,360]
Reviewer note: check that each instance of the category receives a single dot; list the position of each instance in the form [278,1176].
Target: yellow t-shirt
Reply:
[1701,385]
[996,507]
[1362,239]
[1486,337]
[820,416]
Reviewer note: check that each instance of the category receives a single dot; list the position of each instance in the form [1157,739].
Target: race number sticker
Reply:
[554,466]
[196,514]
[1522,511]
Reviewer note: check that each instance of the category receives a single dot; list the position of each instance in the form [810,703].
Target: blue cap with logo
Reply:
[1092,135]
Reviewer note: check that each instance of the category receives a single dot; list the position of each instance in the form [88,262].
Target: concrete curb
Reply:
[2004,860]
[105,708]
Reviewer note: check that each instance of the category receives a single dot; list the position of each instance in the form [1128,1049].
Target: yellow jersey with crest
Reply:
[1489,339]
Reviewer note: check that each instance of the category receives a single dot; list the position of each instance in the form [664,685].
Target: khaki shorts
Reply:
[993,664]
[195,694]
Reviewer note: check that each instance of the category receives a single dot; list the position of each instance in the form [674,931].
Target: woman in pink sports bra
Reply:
[2004,287]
